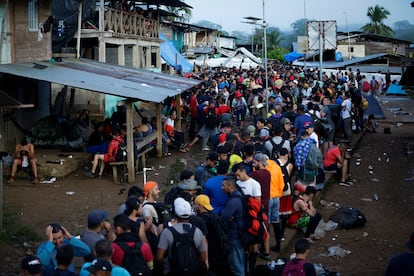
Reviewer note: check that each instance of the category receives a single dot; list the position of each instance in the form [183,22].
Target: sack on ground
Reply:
[348,217]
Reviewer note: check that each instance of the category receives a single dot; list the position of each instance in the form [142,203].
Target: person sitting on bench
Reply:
[24,157]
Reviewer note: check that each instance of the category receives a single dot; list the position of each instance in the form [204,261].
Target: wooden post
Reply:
[158,57]
[135,56]
[159,129]
[121,55]
[178,107]
[148,57]
[102,44]
[130,143]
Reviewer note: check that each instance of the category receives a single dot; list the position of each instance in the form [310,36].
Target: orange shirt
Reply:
[276,179]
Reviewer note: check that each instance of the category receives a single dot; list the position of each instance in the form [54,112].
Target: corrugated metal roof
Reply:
[339,64]
[104,78]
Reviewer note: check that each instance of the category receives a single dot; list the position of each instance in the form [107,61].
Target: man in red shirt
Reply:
[193,114]
[336,159]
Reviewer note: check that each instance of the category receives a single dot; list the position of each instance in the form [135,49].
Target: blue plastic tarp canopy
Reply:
[173,57]
[374,108]
[292,56]
[395,89]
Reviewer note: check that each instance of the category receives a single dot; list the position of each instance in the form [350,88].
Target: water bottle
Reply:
[25,161]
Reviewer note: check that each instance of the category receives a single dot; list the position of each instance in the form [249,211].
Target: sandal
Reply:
[345,184]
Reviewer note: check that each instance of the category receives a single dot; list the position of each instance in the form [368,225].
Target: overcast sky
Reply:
[281,13]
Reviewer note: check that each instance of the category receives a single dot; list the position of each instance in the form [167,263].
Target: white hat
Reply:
[182,208]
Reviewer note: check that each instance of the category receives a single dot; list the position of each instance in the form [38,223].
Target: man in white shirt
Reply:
[346,115]
[248,185]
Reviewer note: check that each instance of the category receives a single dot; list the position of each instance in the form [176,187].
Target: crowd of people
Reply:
[272,145]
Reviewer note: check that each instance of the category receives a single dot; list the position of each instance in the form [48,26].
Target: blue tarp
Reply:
[173,57]
[395,89]
[292,56]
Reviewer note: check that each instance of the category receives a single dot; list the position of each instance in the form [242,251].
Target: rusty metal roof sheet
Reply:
[105,78]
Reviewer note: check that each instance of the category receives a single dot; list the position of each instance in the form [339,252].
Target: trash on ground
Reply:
[365,234]
[376,197]
[70,193]
[337,251]
[367,199]
[375,180]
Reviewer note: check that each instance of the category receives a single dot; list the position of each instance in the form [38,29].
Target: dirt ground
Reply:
[389,219]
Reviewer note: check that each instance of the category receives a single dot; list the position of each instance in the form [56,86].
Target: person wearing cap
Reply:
[182,213]
[336,160]
[301,254]
[276,189]
[98,228]
[234,217]
[58,236]
[207,169]
[30,265]
[103,250]
[239,106]
[300,120]
[403,263]
[287,133]
[213,190]
[172,194]
[124,237]
[218,264]
[310,129]
[100,267]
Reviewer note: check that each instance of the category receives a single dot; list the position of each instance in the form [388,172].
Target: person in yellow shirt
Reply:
[276,189]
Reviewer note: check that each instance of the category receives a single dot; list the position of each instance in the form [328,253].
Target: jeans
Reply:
[237,258]
[274,204]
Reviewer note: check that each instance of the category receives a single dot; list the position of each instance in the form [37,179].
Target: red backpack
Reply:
[294,267]
[365,86]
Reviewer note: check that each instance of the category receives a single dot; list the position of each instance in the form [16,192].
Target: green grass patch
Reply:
[13,231]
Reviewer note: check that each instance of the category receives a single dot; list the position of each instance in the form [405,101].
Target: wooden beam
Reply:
[130,143]
[178,107]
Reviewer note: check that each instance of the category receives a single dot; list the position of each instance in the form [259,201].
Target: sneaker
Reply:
[206,149]
[265,256]
[35,180]
[345,184]
[90,174]
[11,180]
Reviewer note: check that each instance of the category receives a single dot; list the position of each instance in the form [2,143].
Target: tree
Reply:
[274,38]
[277,53]
[377,15]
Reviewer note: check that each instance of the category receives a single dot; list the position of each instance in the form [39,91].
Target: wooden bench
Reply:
[140,157]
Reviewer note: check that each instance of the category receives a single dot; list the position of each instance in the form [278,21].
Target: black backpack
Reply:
[121,153]
[164,211]
[274,154]
[286,176]
[219,246]
[211,118]
[184,255]
[348,217]
[133,260]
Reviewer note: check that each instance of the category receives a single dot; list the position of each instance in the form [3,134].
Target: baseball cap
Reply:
[96,217]
[261,158]
[308,125]
[189,185]
[204,201]
[31,264]
[285,121]
[182,208]
[100,264]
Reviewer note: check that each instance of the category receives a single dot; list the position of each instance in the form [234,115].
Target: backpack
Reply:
[275,148]
[365,86]
[211,118]
[286,176]
[294,267]
[133,260]
[256,222]
[314,158]
[171,195]
[184,255]
[348,217]
[164,211]
[121,153]
[374,84]
[216,227]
